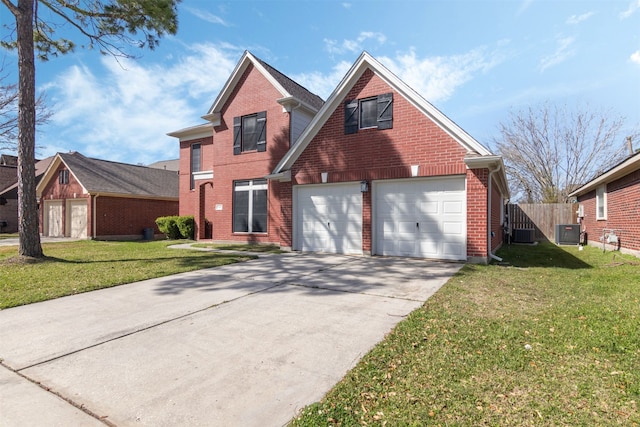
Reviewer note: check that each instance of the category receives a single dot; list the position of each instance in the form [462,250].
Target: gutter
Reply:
[489,189]
[94,216]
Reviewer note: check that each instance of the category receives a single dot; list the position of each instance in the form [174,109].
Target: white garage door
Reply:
[421,218]
[77,210]
[329,218]
[53,218]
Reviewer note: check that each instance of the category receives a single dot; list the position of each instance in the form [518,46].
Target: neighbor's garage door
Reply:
[329,218]
[53,218]
[77,210]
[423,218]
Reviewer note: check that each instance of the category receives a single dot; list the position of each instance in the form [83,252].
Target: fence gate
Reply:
[537,221]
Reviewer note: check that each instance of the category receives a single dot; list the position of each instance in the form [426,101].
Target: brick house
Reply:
[610,205]
[90,198]
[9,195]
[376,169]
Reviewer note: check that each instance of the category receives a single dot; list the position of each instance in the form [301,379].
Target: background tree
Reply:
[9,114]
[113,26]
[550,150]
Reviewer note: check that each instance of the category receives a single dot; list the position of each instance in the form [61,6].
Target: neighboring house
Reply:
[8,170]
[90,198]
[376,169]
[9,196]
[170,165]
[610,205]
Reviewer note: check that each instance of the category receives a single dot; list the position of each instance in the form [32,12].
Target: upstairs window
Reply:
[368,113]
[63,176]
[601,202]
[196,161]
[250,133]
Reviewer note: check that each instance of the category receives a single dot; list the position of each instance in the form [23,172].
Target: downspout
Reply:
[93,214]
[491,254]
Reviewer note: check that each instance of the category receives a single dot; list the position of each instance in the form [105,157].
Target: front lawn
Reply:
[82,266]
[553,339]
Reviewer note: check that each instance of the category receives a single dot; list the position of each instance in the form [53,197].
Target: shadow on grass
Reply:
[541,255]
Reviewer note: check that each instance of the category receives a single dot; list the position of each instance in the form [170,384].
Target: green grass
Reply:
[243,247]
[75,267]
[8,236]
[551,340]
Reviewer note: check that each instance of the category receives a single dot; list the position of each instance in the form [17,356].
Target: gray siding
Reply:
[299,121]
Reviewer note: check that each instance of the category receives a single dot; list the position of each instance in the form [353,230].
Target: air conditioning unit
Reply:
[524,235]
[567,234]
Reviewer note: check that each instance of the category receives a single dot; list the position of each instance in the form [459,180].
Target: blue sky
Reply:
[474,60]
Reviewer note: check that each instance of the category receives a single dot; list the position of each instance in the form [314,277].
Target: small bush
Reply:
[168,225]
[187,225]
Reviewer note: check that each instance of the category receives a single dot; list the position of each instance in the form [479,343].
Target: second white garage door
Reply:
[329,218]
[421,218]
[77,220]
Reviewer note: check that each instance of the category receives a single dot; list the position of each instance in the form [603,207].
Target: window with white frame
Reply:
[250,206]
[196,161]
[601,202]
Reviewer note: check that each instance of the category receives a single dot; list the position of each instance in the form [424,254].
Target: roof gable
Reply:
[364,62]
[292,94]
[627,166]
[106,177]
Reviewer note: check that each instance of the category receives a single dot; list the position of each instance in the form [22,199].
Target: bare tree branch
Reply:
[549,150]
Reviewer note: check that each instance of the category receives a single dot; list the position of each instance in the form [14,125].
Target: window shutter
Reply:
[237,135]
[262,131]
[385,111]
[351,117]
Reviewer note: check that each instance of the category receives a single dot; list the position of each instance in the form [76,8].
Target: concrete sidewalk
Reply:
[245,344]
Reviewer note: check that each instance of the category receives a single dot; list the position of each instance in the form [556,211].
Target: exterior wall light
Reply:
[364,186]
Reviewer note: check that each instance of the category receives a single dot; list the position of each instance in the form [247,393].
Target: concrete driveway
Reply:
[246,344]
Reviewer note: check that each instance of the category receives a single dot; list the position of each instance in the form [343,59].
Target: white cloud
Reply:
[635,57]
[562,53]
[125,113]
[524,6]
[576,19]
[207,16]
[346,5]
[323,84]
[437,78]
[633,7]
[353,46]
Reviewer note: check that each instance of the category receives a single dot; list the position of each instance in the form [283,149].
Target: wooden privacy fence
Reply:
[541,217]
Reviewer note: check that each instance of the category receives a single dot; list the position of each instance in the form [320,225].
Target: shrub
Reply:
[168,225]
[187,225]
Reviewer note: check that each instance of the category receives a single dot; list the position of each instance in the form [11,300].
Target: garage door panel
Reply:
[333,221]
[452,207]
[452,228]
[427,207]
[437,206]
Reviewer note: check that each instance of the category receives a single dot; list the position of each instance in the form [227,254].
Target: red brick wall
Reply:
[190,199]
[477,180]
[252,94]
[623,212]
[119,216]
[385,154]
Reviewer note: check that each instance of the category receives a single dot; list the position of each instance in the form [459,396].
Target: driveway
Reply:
[245,344]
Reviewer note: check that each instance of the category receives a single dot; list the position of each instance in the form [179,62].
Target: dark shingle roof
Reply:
[102,176]
[295,89]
